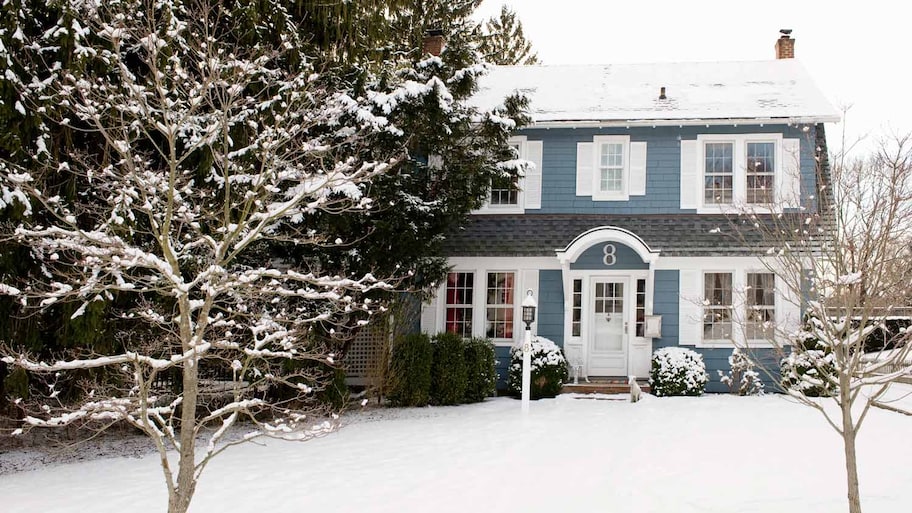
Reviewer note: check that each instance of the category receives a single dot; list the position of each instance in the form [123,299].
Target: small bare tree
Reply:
[212,156]
[846,253]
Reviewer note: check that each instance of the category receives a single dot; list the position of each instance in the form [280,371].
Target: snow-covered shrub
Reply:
[677,371]
[448,370]
[410,371]
[481,372]
[742,379]
[805,369]
[549,369]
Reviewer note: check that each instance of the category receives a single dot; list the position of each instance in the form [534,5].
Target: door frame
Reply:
[589,318]
[577,347]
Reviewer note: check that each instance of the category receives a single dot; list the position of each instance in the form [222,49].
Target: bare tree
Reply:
[212,156]
[845,251]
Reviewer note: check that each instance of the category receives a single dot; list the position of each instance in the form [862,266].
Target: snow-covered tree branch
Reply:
[212,159]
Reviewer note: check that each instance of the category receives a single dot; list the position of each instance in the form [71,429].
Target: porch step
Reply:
[603,386]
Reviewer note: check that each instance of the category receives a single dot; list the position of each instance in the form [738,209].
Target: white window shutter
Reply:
[690,175]
[638,169]
[790,174]
[585,160]
[690,313]
[532,183]
[429,316]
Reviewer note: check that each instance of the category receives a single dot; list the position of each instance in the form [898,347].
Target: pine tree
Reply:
[502,41]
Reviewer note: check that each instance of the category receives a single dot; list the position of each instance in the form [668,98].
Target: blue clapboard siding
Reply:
[550,316]
[594,258]
[663,166]
[666,299]
[551,306]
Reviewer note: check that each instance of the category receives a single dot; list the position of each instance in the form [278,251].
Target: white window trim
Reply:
[739,171]
[481,267]
[739,310]
[597,194]
[519,207]
[753,341]
[721,342]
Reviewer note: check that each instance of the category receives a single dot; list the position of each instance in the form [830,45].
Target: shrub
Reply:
[448,370]
[742,379]
[410,370]
[481,372]
[677,371]
[804,370]
[549,369]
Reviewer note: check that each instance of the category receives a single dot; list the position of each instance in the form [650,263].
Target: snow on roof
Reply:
[629,93]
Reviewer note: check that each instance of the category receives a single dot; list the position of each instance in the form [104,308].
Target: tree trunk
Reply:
[851,463]
[179,501]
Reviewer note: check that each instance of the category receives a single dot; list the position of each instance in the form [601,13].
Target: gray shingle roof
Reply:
[542,234]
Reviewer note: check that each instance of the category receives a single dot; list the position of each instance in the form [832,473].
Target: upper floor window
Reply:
[761,170]
[718,176]
[611,167]
[505,189]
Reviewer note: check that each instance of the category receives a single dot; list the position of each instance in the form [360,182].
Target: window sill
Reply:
[500,209]
[610,197]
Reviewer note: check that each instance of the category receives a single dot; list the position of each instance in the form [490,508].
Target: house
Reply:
[623,230]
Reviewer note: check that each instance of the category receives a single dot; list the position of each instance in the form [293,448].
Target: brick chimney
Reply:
[433,42]
[785,45]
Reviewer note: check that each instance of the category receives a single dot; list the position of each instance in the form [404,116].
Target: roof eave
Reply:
[585,123]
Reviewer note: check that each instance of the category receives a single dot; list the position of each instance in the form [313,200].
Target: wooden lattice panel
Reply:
[364,354]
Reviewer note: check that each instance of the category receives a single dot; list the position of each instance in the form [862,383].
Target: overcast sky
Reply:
[857,52]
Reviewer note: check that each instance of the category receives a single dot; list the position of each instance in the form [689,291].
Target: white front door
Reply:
[608,311]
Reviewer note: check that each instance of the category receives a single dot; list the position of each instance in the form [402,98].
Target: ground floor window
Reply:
[717,306]
[459,288]
[499,305]
[576,324]
[761,305]
[641,308]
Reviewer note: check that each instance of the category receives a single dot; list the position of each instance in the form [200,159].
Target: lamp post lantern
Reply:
[528,317]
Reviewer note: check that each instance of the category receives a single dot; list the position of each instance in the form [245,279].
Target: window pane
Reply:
[717,306]
[761,305]
[459,303]
[499,311]
[611,167]
[761,168]
[718,185]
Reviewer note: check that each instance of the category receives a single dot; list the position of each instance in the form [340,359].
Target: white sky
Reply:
[857,52]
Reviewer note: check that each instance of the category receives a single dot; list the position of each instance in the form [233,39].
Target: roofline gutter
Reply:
[680,122]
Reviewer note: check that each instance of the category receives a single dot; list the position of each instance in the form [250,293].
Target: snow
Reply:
[715,453]
[630,92]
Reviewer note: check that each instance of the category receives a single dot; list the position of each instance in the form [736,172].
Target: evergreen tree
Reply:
[502,41]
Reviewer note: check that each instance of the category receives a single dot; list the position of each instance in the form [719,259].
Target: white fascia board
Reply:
[679,122]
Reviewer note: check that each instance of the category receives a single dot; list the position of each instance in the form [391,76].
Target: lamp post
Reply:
[528,317]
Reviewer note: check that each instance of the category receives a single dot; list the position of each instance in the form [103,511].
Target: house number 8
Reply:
[610,254]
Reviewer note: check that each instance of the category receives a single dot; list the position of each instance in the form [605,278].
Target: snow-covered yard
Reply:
[713,453]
